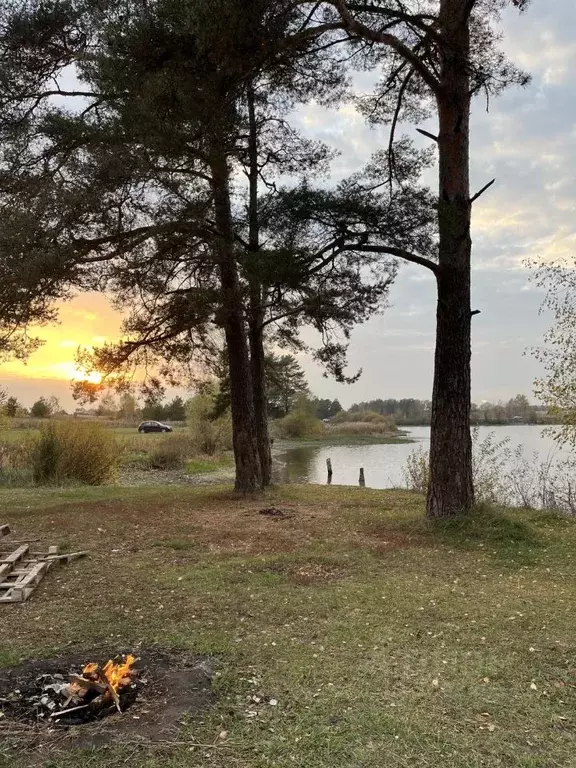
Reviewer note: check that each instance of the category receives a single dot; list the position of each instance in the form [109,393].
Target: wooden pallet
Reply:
[22,570]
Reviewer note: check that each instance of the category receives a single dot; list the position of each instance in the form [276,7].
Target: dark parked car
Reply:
[153,426]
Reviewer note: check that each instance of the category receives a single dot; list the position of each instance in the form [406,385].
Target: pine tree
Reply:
[435,56]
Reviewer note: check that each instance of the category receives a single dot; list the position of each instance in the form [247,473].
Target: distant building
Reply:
[80,413]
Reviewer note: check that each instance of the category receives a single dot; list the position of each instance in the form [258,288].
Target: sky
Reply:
[527,141]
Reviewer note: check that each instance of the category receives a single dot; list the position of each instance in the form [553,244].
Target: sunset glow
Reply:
[87,321]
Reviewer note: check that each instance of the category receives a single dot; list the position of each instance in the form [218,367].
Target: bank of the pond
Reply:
[281,445]
[384,462]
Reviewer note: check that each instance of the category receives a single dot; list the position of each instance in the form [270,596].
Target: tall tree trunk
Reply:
[256,313]
[258,368]
[248,475]
[451,489]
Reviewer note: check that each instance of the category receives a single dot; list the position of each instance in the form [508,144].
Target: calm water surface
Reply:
[383,464]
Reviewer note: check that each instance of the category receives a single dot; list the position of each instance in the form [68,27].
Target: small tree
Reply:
[41,409]
[154,409]
[518,406]
[107,406]
[176,410]
[128,406]
[557,388]
[210,427]
[327,409]
[11,407]
[286,381]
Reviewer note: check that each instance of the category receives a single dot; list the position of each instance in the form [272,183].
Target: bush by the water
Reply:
[299,424]
[362,428]
[74,451]
[489,460]
[364,417]
[508,478]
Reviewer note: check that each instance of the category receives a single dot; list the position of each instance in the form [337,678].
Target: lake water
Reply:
[383,464]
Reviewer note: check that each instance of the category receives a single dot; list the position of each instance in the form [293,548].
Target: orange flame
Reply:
[116,675]
[119,675]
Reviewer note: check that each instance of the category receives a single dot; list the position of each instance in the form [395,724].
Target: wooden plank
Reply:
[8,563]
[26,585]
[21,571]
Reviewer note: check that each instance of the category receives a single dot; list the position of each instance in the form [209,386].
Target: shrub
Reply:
[362,428]
[73,451]
[366,417]
[489,459]
[210,434]
[299,424]
[15,463]
[172,452]
[417,470]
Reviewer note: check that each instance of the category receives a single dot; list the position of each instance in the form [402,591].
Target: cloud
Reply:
[527,141]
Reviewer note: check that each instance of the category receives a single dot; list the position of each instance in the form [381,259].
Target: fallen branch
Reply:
[68,556]
[68,711]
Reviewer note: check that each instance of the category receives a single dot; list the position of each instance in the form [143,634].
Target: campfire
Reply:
[91,694]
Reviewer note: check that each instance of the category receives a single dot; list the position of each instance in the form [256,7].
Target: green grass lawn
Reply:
[207,464]
[385,640]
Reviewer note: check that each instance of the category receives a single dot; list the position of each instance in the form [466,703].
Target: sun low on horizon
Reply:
[86,321]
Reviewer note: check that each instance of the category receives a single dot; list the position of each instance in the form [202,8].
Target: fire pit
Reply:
[77,696]
[61,701]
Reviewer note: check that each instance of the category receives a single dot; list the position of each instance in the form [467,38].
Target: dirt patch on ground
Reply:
[172,686]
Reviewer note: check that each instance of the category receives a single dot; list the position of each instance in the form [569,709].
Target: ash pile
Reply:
[73,698]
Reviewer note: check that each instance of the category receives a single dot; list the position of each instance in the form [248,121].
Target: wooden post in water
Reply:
[361,479]
[329,470]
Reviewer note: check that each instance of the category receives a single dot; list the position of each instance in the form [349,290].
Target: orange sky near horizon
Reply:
[86,321]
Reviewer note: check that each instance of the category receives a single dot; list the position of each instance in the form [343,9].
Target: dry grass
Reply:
[385,640]
[361,428]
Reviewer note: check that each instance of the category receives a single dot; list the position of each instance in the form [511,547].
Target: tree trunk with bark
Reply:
[248,475]
[258,368]
[451,490]
[256,314]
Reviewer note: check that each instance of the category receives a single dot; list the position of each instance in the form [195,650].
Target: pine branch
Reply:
[385,38]
[399,102]
[401,253]
[417,20]
[427,134]
[481,192]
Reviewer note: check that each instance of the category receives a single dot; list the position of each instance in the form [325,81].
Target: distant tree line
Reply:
[43,408]
[410,411]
